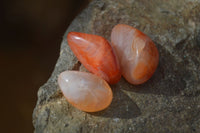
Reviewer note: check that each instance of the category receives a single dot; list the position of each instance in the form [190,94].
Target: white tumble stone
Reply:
[85,91]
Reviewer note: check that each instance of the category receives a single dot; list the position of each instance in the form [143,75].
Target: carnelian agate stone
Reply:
[85,91]
[138,55]
[96,54]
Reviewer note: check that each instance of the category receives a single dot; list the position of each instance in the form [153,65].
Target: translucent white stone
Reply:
[85,91]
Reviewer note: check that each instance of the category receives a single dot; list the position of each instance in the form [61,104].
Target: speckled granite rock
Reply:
[168,102]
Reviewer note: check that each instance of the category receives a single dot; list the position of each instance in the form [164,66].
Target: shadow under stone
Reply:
[121,107]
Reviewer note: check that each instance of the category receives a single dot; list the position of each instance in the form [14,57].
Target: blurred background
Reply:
[30,38]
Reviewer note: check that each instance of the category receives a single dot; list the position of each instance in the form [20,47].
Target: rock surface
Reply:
[168,102]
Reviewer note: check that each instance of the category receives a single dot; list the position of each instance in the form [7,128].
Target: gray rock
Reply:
[168,102]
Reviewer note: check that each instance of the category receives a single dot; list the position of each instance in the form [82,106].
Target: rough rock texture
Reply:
[168,102]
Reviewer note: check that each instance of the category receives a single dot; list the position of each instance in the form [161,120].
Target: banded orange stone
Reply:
[85,91]
[138,55]
[96,54]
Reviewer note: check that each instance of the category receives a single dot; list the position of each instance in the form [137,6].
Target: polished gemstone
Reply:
[96,54]
[85,91]
[138,55]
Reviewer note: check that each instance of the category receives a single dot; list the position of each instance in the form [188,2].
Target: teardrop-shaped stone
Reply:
[138,55]
[96,54]
[85,91]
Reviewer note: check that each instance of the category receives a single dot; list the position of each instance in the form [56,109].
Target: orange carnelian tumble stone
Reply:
[138,55]
[96,54]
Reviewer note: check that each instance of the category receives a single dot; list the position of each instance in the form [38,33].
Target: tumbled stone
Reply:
[85,91]
[96,54]
[137,53]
